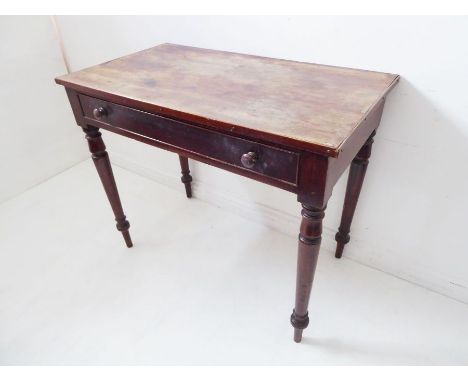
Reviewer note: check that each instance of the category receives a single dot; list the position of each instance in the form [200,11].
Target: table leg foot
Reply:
[341,240]
[126,236]
[299,323]
[297,335]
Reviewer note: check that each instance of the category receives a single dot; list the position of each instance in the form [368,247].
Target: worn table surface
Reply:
[314,106]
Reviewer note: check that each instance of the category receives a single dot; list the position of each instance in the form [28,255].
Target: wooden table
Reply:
[292,125]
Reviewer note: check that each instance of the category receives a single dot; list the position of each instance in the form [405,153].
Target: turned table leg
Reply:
[186,177]
[104,169]
[357,172]
[310,237]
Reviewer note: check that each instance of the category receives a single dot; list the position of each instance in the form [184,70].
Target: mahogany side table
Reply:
[292,125]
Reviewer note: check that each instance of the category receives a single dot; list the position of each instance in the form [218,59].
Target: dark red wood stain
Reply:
[292,125]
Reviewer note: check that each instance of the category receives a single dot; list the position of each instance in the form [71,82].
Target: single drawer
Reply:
[241,153]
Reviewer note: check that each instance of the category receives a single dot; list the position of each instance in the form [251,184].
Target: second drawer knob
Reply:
[249,159]
[99,112]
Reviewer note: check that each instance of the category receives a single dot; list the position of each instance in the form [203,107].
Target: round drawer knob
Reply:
[249,159]
[99,112]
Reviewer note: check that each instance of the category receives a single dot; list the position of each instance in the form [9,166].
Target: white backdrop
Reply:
[413,209]
[37,139]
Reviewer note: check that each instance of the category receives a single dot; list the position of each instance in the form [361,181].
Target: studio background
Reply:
[411,217]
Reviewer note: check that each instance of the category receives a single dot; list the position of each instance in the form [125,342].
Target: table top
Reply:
[310,106]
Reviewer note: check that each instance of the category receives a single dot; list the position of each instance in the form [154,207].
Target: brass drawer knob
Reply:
[249,159]
[99,112]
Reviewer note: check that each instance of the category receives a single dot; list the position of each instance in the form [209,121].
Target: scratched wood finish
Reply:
[309,106]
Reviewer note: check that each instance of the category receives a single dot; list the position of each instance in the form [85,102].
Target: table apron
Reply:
[275,166]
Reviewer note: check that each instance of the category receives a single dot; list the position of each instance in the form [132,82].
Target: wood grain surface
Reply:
[310,106]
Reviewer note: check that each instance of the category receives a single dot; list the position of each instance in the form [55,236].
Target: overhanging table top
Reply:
[309,106]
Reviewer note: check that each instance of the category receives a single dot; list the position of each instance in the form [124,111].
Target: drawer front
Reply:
[241,153]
